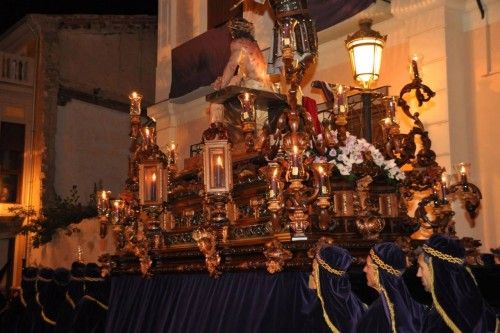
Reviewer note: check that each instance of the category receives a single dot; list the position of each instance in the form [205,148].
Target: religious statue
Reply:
[246,59]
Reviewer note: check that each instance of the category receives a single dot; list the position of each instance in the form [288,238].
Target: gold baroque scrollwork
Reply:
[206,239]
[276,256]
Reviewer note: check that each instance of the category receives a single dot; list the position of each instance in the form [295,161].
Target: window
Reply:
[11,161]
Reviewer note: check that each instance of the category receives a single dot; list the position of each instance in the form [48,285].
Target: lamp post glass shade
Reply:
[365,53]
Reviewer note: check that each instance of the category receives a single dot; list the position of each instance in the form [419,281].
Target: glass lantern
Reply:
[152,178]
[217,166]
[365,52]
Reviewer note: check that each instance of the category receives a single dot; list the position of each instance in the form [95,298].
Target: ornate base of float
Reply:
[238,256]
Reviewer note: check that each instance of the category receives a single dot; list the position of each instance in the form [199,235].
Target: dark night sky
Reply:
[12,11]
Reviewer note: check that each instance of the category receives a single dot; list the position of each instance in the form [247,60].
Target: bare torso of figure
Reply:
[252,70]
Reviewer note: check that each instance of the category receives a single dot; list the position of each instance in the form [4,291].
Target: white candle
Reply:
[219,172]
[153,187]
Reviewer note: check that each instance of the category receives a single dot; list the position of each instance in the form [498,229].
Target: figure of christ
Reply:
[246,66]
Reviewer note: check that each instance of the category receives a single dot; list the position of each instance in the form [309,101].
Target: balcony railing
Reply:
[16,69]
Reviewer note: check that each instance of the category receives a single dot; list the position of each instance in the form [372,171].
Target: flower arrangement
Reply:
[356,152]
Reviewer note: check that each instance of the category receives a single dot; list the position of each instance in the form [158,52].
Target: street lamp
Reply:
[365,53]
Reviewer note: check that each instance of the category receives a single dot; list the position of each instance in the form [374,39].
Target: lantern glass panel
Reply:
[217,168]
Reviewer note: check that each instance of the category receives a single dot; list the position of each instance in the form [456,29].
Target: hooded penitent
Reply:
[457,302]
[341,308]
[394,310]
[90,313]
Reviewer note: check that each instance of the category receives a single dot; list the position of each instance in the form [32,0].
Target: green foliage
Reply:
[55,215]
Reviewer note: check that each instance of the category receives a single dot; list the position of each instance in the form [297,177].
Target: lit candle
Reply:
[153,187]
[219,172]
[444,183]
[273,192]
[295,161]
[118,206]
[463,173]
[247,101]
[102,202]
[387,122]
[322,185]
[172,152]
[135,103]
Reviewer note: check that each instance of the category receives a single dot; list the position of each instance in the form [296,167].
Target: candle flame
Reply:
[172,146]
[116,203]
[153,177]
[275,173]
[147,132]
[321,171]
[462,169]
[219,161]
[134,94]
[444,178]
[103,195]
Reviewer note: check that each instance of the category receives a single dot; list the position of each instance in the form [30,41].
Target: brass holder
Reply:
[247,100]
[248,128]
[275,206]
[103,226]
[216,204]
[368,224]
[323,203]
[322,171]
[153,231]
[470,196]
[439,221]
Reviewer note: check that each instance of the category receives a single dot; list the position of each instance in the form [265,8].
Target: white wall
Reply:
[85,245]
[91,145]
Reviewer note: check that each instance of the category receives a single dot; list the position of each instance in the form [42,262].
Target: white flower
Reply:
[353,153]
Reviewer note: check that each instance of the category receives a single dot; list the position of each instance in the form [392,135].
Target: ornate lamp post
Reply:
[365,53]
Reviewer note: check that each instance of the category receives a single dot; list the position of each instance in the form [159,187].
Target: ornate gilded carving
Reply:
[206,239]
[276,256]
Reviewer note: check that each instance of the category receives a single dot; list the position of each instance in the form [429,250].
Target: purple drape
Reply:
[327,13]
[235,302]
